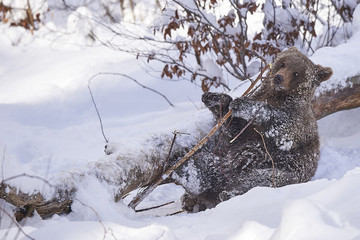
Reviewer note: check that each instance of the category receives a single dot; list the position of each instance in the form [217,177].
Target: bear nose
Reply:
[278,79]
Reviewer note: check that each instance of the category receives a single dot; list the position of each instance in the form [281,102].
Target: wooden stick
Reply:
[147,190]
[256,80]
[247,125]
[143,194]
[158,206]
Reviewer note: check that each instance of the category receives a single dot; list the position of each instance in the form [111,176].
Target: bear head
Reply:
[296,75]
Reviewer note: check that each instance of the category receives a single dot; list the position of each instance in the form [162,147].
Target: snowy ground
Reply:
[48,124]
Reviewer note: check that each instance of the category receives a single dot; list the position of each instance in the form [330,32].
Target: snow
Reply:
[342,69]
[212,70]
[49,125]
[356,20]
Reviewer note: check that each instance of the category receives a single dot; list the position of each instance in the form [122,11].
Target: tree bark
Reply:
[26,203]
[129,172]
[335,100]
[121,175]
[122,171]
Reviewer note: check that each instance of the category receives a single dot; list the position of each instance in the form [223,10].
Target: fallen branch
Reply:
[147,190]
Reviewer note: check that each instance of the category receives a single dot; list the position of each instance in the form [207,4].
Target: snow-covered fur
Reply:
[280,147]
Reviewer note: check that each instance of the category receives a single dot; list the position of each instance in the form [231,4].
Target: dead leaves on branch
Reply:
[204,37]
[196,32]
[30,21]
[172,70]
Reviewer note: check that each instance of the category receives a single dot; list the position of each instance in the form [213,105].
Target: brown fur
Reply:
[285,118]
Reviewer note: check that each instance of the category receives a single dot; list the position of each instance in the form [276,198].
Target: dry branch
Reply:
[154,207]
[145,192]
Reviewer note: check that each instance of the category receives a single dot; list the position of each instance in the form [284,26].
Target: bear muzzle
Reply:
[278,82]
[278,79]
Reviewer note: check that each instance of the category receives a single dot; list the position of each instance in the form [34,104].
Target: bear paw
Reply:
[218,103]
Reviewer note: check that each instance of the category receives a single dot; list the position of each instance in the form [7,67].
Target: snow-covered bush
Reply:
[307,24]
[25,13]
[217,30]
[29,13]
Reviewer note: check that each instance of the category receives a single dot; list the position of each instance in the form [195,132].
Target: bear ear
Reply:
[324,73]
[294,49]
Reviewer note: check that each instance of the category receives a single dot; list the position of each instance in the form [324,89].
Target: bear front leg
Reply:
[258,112]
[217,103]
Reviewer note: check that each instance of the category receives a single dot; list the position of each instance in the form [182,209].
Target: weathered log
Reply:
[126,175]
[335,100]
[121,171]
[27,203]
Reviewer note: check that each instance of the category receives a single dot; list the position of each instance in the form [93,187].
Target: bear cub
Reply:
[279,147]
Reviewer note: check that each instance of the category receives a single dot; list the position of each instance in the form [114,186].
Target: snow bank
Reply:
[322,209]
[343,59]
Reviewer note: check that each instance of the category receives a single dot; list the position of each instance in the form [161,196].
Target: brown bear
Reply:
[279,147]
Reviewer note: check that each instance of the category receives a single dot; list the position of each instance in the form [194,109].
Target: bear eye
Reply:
[282,65]
[296,74]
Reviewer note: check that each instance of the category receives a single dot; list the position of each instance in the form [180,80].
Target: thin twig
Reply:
[98,114]
[123,75]
[248,91]
[158,206]
[134,80]
[171,147]
[47,171]
[247,125]
[272,160]
[256,80]
[98,217]
[2,164]
[178,212]
[17,225]
[29,176]
[193,102]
